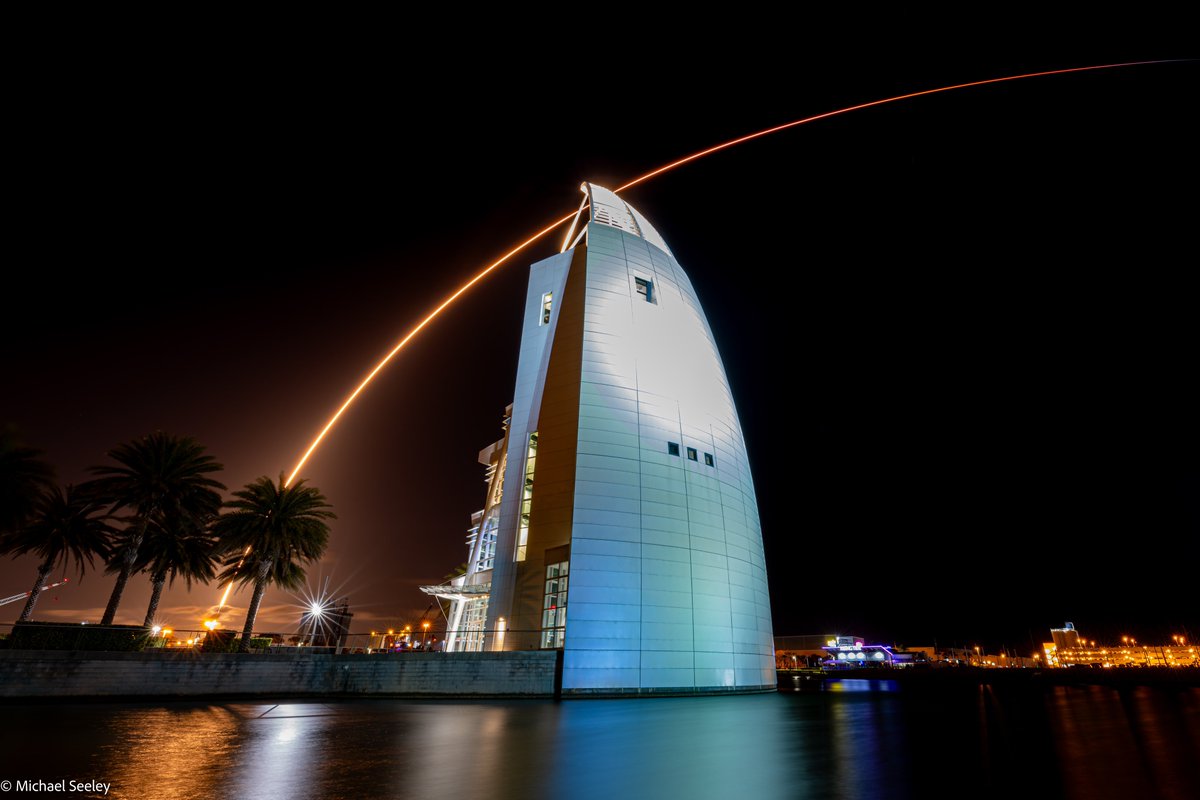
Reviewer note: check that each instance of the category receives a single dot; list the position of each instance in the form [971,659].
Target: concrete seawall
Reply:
[45,673]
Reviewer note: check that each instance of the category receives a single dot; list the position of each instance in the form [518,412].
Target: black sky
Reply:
[961,330]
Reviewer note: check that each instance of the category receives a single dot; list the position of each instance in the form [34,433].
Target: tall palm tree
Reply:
[24,476]
[270,532]
[159,475]
[176,548]
[66,526]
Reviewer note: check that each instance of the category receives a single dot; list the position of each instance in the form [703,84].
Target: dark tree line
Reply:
[156,509]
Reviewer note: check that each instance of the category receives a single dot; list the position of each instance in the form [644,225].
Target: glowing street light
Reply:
[424,631]
[314,615]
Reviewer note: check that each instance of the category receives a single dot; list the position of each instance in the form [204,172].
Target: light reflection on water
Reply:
[859,739]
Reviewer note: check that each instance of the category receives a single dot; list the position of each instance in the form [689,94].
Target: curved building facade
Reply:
[621,523]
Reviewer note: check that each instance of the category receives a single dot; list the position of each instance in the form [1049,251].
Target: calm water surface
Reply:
[857,739]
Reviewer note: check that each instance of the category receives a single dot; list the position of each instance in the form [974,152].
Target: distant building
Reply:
[852,652]
[793,652]
[1065,637]
[622,472]
[1083,653]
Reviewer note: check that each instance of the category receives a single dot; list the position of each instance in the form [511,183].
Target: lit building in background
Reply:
[1065,637]
[1075,651]
[620,524]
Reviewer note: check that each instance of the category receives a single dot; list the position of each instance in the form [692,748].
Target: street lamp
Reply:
[424,631]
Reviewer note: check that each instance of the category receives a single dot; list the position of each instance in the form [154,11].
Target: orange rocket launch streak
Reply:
[758,135]
[642,179]
[635,182]
[428,319]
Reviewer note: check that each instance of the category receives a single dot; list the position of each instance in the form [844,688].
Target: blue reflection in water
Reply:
[859,685]
[858,740]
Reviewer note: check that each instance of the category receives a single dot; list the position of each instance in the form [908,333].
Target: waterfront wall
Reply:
[43,673]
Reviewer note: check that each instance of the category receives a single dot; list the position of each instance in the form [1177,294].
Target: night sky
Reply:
[961,330]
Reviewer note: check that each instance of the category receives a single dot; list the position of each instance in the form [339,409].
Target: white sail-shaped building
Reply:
[621,523]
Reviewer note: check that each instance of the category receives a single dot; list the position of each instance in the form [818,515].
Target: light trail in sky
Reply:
[640,180]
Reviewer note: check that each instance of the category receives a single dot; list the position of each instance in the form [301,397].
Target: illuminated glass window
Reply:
[547,304]
[526,498]
[672,448]
[487,548]
[691,454]
[554,606]
[470,638]
[708,459]
[645,288]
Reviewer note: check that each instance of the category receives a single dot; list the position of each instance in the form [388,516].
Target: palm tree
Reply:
[176,548]
[157,476]
[65,527]
[270,531]
[24,476]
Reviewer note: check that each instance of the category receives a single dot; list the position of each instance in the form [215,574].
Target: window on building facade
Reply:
[708,459]
[547,304]
[526,498]
[470,636]
[554,606]
[672,448]
[645,288]
[487,547]
[691,454]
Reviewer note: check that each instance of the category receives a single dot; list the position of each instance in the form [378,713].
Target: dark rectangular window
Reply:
[708,459]
[645,288]
[691,454]
[672,448]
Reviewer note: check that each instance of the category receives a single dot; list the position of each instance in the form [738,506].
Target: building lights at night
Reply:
[1075,651]
[621,482]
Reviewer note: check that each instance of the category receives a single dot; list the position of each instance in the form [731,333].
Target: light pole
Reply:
[424,631]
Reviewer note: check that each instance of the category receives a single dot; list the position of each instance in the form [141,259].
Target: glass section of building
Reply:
[554,614]
[547,305]
[487,547]
[526,497]
[470,639]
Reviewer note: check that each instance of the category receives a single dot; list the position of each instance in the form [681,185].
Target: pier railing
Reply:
[136,638]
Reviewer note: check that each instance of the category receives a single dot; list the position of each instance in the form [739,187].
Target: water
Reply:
[857,739]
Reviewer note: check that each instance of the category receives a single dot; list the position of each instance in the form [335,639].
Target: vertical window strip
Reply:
[554,606]
[526,497]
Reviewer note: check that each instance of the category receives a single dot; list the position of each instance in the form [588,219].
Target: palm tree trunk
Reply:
[127,562]
[159,580]
[43,571]
[260,586]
